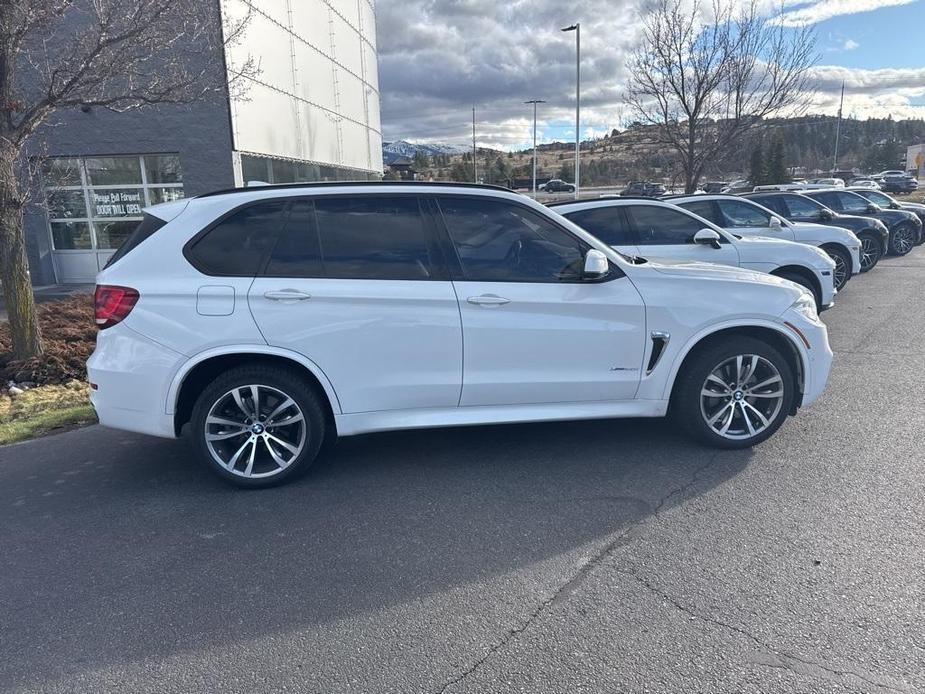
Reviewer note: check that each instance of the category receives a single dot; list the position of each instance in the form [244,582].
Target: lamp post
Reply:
[534,102]
[576,27]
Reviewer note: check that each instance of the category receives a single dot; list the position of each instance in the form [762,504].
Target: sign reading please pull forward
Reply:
[118,203]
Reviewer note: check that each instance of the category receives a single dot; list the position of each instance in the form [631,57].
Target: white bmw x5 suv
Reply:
[270,320]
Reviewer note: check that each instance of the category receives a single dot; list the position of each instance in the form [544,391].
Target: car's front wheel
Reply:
[258,426]
[735,393]
[871,250]
[902,239]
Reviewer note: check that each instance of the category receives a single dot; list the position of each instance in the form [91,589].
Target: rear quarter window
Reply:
[145,229]
[237,245]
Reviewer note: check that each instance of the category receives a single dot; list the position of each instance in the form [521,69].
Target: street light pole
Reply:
[576,27]
[534,102]
[841,105]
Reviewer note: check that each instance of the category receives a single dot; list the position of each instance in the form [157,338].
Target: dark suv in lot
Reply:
[883,200]
[643,189]
[905,228]
[796,207]
[898,184]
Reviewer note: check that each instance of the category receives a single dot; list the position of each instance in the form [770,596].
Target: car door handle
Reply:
[488,300]
[287,295]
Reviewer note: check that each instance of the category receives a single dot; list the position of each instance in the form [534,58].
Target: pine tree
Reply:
[777,164]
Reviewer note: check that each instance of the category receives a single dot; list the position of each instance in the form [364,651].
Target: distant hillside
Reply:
[400,148]
[865,145]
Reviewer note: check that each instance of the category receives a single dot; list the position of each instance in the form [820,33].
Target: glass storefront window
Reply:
[61,172]
[158,195]
[112,234]
[113,171]
[67,204]
[254,169]
[270,170]
[163,168]
[95,203]
[68,236]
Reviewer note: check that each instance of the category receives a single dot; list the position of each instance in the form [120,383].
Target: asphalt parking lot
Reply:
[596,556]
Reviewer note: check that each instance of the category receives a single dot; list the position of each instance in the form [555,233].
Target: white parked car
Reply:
[656,229]
[748,218]
[268,321]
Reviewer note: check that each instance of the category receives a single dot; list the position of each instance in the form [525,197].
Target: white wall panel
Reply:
[312,57]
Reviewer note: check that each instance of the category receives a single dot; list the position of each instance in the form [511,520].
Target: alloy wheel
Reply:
[742,396]
[255,431]
[842,272]
[870,253]
[903,240]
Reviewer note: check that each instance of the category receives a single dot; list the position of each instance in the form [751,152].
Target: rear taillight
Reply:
[113,304]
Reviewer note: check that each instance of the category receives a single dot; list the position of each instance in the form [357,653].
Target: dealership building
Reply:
[309,113]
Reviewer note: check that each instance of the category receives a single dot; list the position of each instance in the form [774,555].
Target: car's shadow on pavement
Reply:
[119,547]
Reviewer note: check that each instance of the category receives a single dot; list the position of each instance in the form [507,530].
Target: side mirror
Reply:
[872,208]
[596,265]
[775,223]
[707,237]
[825,215]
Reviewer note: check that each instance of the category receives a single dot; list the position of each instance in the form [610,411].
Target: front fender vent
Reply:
[659,343]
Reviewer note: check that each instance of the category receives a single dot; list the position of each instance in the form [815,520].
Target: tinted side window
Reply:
[661,225]
[606,223]
[702,208]
[802,207]
[145,229]
[741,214]
[852,203]
[237,245]
[503,242]
[298,251]
[375,238]
[829,200]
[772,202]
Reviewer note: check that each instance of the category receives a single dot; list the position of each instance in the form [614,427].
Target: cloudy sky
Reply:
[439,57]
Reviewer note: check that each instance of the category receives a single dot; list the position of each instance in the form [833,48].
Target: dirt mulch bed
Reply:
[69,334]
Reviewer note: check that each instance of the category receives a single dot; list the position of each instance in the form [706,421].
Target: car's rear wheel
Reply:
[258,426]
[902,239]
[843,265]
[871,251]
[735,393]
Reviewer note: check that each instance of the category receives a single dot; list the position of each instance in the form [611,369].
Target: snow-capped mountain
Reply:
[400,148]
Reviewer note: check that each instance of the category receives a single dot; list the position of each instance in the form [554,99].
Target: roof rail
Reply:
[339,184]
[604,198]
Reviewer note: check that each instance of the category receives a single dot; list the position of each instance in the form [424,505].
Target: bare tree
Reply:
[115,54]
[703,81]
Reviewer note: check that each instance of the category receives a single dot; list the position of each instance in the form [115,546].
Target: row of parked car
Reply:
[854,227]
[266,322]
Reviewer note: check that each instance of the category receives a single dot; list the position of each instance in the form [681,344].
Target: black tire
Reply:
[871,251]
[843,265]
[690,407]
[276,383]
[902,239]
[570,189]
[803,281]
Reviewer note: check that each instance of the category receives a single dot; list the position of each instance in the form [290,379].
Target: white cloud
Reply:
[439,57]
[850,45]
[868,93]
[804,14]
